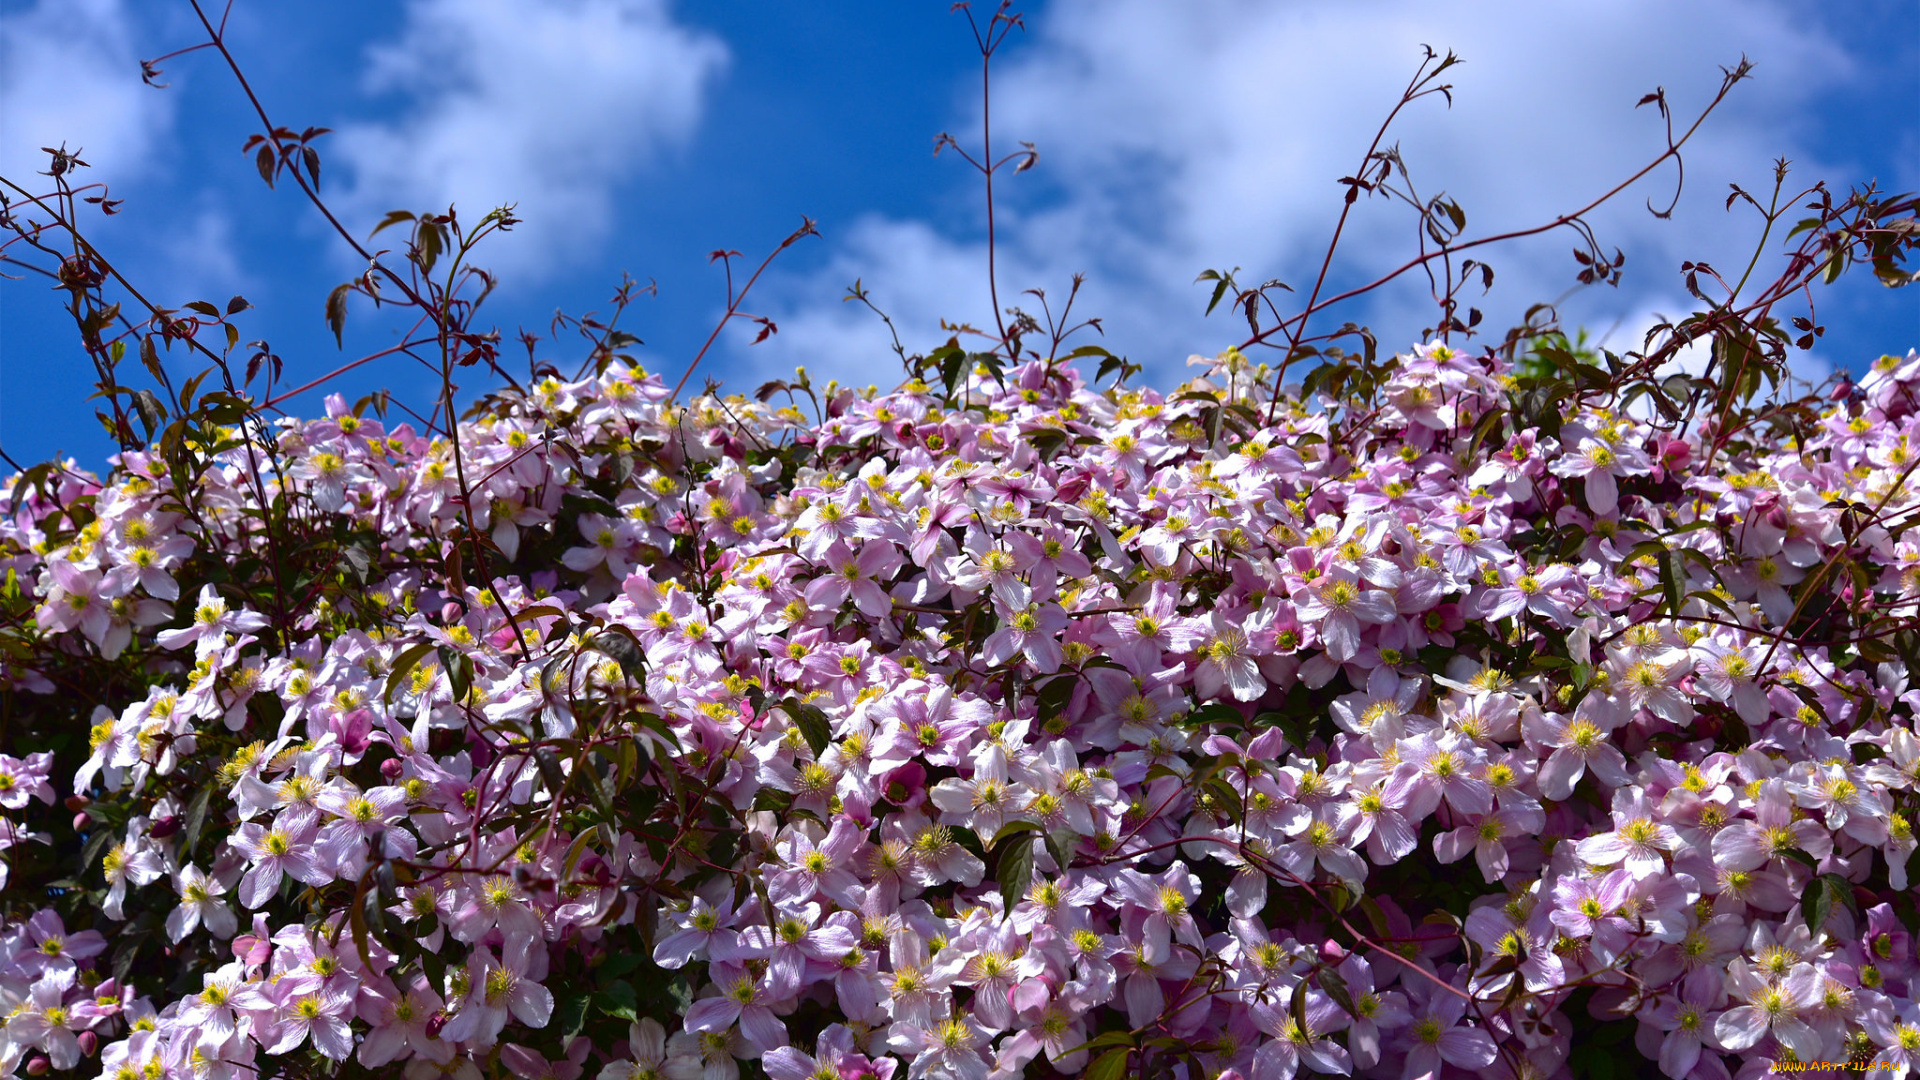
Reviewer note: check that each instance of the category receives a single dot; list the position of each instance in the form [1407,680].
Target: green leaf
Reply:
[1673,578]
[951,360]
[1816,903]
[1060,843]
[196,820]
[1802,857]
[1010,829]
[1102,1041]
[357,918]
[812,723]
[403,666]
[1376,918]
[597,789]
[654,723]
[620,962]
[1217,713]
[570,1015]
[459,668]
[1224,798]
[1015,868]
[619,643]
[1054,697]
[1087,350]
[428,241]
[618,1000]
[1111,1065]
[1336,988]
[550,771]
[1820,896]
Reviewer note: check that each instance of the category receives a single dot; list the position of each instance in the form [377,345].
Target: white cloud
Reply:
[69,73]
[547,105]
[194,256]
[1180,137]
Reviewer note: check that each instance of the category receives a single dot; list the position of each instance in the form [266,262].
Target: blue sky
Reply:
[638,135]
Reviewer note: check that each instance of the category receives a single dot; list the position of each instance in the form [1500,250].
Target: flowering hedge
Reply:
[965,726]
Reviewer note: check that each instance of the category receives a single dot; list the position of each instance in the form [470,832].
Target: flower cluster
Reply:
[957,729]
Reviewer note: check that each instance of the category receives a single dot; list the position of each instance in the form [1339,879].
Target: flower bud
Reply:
[391,768]
[77,803]
[1332,952]
[81,822]
[165,827]
[37,1065]
[435,1023]
[89,1042]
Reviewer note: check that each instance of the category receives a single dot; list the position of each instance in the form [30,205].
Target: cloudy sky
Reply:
[638,135]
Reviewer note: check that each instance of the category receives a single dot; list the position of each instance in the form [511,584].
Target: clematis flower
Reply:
[1579,743]
[277,852]
[1601,464]
[1436,1036]
[200,905]
[1340,604]
[743,1000]
[22,779]
[498,988]
[212,622]
[1772,1008]
[1637,839]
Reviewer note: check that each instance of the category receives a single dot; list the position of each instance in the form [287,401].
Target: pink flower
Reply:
[1749,845]
[212,622]
[1339,603]
[859,577]
[1772,1008]
[1435,1036]
[1601,463]
[200,904]
[1637,837]
[1030,630]
[26,778]
[497,989]
[318,1015]
[286,849]
[1579,743]
[1228,664]
[743,1000]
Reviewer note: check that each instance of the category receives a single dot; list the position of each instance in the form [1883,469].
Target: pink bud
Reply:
[1675,453]
[1332,952]
[165,827]
[80,822]
[1841,391]
[89,1042]
[435,1023]
[391,768]
[37,1065]
[77,803]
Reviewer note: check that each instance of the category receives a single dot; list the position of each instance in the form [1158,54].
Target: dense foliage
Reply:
[968,725]
[1515,709]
